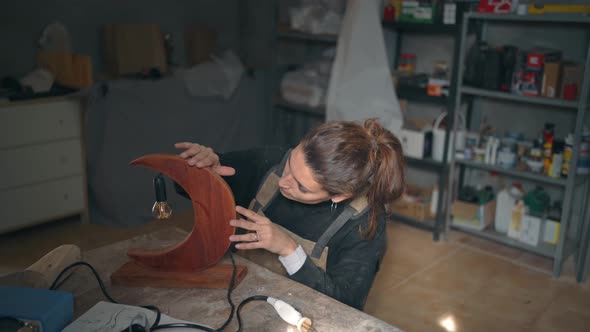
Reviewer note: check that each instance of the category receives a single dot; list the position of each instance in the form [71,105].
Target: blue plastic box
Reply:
[53,309]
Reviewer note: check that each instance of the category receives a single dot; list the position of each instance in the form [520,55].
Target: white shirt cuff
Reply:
[295,261]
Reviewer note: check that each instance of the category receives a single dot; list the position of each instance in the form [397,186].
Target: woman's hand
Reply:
[265,234]
[202,156]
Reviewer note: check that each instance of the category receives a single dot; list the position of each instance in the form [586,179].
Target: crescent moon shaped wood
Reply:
[213,205]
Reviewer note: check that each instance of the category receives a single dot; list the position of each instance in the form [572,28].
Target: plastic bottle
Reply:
[567,155]
[505,202]
[548,137]
[518,212]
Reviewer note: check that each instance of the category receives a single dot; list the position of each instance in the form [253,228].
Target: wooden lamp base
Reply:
[213,208]
[217,276]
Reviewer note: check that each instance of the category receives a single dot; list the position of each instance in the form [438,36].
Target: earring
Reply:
[333,206]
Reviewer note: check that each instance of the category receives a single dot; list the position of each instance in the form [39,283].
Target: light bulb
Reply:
[161,208]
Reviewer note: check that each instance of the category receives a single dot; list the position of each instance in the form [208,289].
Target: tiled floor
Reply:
[465,284]
[470,284]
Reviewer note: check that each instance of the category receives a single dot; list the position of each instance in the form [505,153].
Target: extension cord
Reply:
[290,315]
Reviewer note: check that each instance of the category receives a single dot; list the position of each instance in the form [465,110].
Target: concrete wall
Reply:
[21,24]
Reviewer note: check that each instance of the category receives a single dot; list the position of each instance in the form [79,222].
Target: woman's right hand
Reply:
[202,156]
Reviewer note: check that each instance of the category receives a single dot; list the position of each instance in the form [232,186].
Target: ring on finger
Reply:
[256,237]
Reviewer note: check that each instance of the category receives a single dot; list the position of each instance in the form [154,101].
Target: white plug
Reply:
[290,315]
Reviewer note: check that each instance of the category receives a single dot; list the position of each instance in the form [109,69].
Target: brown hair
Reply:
[347,158]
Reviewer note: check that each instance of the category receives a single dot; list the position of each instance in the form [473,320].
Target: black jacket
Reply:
[352,262]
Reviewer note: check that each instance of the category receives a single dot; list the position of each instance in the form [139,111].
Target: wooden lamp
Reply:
[194,262]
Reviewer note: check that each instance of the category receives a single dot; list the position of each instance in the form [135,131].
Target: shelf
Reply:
[424,224]
[540,18]
[302,36]
[438,28]
[425,163]
[518,98]
[420,95]
[543,249]
[514,173]
[316,111]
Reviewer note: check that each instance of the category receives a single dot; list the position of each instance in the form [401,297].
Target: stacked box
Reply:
[418,11]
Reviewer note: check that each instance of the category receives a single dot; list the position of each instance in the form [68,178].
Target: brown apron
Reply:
[316,251]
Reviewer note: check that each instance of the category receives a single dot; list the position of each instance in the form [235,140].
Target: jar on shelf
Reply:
[407,63]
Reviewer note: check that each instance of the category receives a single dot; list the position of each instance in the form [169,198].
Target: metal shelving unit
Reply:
[419,95]
[293,120]
[423,224]
[319,111]
[514,173]
[301,36]
[425,163]
[555,102]
[569,242]
[430,28]
[543,249]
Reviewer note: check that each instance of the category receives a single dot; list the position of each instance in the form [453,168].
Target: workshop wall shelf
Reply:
[574,233]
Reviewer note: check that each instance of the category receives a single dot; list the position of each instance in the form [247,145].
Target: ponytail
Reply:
[347,158]
[387,182]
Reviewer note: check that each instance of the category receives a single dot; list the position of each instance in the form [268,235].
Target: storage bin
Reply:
[473,216]
[415,203]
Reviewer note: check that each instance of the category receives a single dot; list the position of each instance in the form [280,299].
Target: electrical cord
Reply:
[156,325]
[247,300]
[287,312]
[231,303]
[54,286]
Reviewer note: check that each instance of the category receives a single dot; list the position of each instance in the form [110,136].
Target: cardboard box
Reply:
[551,79]
[542,9]
[571,78]
[495,6]
[530,230]
[199,44]
[531,83]
[417,11]
[437,87]
[473,216]
[551,231]
[537,57]
[134,48]
[415,203]
[71,70]
[416,139]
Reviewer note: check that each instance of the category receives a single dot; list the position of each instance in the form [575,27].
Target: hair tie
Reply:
[374,148]
[373,144]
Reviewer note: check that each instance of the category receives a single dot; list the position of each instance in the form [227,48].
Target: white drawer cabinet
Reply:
[42,163]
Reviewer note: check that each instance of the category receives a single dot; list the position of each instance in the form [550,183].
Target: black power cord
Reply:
[250,299]
[156,326]
[54,286]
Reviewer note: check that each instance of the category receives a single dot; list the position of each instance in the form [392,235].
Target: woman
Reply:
[327,225]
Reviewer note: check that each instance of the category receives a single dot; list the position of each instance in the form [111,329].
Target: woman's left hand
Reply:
[264,235]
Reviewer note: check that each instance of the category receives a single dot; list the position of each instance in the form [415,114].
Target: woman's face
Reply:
[297,182]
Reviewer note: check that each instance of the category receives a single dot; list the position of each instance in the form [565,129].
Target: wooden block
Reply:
[71,70]
[133,48]
[53,263]
[199,44]
[82,65]
[59,64]
[218,276]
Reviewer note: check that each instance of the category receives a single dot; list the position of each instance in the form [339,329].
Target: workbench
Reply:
[210,306]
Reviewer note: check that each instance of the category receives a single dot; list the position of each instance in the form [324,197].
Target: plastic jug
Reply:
[505,202]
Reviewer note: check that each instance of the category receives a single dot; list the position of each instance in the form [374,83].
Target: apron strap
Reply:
[268,190]
[332,229]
